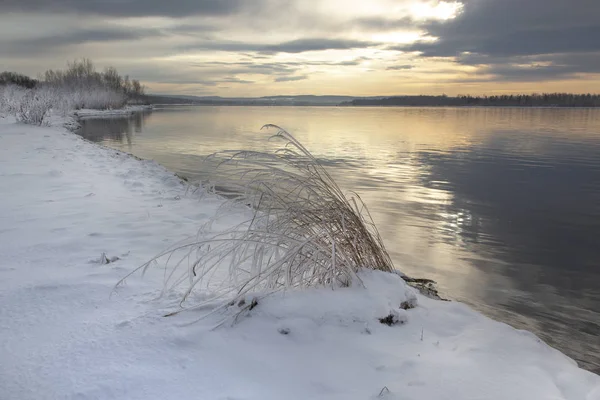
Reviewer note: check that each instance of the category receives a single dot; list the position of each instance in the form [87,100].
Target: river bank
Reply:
[69,205]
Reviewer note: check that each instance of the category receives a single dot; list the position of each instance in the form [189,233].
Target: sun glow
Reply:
[397,37]
[436,10]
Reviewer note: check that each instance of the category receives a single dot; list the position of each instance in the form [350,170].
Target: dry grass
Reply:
[303,231]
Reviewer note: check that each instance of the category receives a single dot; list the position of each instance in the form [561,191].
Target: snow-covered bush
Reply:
[10,98]
[66,100]
[88,88]
[30,106]
[62,91]
[302,230]
[102,98]
[34,106]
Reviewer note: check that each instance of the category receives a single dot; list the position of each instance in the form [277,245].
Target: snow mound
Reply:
[376,296]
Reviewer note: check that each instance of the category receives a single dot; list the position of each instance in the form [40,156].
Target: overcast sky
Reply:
[351,47]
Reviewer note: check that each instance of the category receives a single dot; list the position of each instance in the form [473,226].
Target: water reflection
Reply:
[110,129]
[500,206]
[541,219]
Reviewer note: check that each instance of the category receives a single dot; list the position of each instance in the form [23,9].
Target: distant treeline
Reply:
[157,99]
[14,78]
[518,100]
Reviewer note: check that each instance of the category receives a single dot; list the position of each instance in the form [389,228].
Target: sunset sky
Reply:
[343,47]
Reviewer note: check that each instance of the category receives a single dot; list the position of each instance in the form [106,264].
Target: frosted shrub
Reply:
[34,107]
[68,99]
[102,99]
[10,98]
[97,98]
[31,106]
[79,86]
[302,230]
[63,101]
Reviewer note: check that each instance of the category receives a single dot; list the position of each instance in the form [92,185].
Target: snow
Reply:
[65,333]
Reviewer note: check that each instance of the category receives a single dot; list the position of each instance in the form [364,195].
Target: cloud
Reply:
[346,63]
[503,35]
[291,47]
[532,68]
[193,30]
[400,67]
[49,43]
[234,80]
[283,69]
[318,44]
[210,43]
[128,8]
[176,77]
[245,67]
[528,41]
[291,78]
[382,24]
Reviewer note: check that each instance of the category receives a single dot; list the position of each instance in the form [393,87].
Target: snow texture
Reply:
[76,217]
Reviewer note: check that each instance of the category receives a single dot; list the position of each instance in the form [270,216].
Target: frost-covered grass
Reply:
[66,201]
[302,231]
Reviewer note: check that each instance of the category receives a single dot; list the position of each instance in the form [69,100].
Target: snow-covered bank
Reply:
[66,201]
[125,111]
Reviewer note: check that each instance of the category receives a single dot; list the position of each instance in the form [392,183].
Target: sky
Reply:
[343,47]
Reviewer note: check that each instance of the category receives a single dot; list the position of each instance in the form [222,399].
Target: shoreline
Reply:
[425,286]
[125,111]
[71,200]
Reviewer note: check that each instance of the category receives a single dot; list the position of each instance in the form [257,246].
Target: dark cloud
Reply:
[47,44]
[288,71]
[283,70]
[293,46]
[532,68]
[400,67]
[217,73]
[504,33]
[356,61]
[484,20]
[528,41]
[128,8]
[291,78]
[189,78]
[346,63]
[245,67]
[317,44]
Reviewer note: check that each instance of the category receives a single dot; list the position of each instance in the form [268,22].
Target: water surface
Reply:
[501,206]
